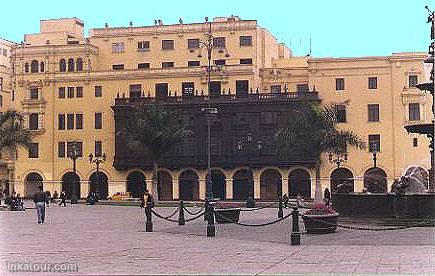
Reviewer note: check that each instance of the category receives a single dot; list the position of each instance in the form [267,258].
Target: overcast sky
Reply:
[337,28]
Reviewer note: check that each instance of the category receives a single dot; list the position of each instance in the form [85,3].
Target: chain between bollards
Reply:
[211,229]
[181,220]
[148,215]
[280,212]
[295,236]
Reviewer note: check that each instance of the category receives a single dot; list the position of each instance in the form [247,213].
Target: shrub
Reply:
[320,208]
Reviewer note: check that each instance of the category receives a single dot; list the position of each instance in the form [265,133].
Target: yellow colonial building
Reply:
[66,85]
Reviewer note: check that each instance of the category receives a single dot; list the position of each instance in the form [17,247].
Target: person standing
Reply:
[40,198]
[48,195]
[327,197]
[62,199]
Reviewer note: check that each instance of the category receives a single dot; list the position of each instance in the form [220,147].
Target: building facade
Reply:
[66,85]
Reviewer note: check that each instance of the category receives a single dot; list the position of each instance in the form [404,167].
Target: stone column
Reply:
[229,188]
[175,189]
[284,185]
[202,185]
[84,188]
[256,187]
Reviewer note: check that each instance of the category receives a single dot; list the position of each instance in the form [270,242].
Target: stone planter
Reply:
[228,215]
[320,224]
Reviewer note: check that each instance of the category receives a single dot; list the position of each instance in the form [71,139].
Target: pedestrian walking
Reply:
[40,198]
[285,199]
[62,199]
[327,197]
[48,195]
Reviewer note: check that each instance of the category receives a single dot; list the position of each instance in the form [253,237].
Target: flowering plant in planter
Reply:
[320,208]
[320,219]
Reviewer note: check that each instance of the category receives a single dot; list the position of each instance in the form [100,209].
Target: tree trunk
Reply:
[154,181]
[318,190]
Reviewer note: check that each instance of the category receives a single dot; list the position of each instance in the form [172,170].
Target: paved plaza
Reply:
[112,240]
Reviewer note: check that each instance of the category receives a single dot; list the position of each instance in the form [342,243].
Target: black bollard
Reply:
[211,230]
[250,202]
[295,236]
[280,212]
[149,220]
[181,220]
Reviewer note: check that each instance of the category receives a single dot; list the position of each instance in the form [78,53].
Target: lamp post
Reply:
[97,161]
[375,154]
[74,155]
[338,158]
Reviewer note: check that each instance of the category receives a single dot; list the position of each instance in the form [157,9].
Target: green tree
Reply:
[310,131]
[12,132]
[158,131]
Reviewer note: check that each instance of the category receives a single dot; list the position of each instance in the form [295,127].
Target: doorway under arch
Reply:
[299,182]
[342,181]
[68,180]
[243,184]
[164,185]
[136,184]
[98,183]
[218,184]
[189,185]
[33,181]
[375,180]
[270,184]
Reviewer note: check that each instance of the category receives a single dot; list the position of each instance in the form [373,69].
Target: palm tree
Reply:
[158,130]
[12,132]
[310,131]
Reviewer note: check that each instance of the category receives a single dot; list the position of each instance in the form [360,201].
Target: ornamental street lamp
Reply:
[97,161]
[375,154]
[74,155]
[338,158]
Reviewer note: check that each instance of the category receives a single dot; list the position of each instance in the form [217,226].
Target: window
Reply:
[98,91]
[98,120]
[414,112]
[1,105]
[275,89]
[1,83]
[42,66]
[215,88]
[5,52]
[161,90]
[302,87]
[219,42]
[70,121]
[78,148]
[34,93]
[373,83]
[33,121]
[118,47]
[168,45]
[143,65]
[135,90]
[187,88]
[61,121]
[62,65]
[168,64]
[246,61]
[26,67]
[61,149]
[143,46]
[79,121]
[245,41]
[341,113]
[375,142]
[118,67]
[71,65]
[61,92]
[339,84]
[193,63]
[219,62]
[242,88]
[192,43]
[34,66]
[415,142]
[98,148]
[79,64]
[79,92]
[373,112]
[412,81]
[33,150]
[70,92]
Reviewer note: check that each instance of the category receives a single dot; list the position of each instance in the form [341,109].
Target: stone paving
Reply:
[112,240]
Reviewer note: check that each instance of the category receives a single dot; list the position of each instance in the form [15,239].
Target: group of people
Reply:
[13,201]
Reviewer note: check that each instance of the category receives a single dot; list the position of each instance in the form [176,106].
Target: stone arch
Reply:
[243,184]
[218,183]
[33,181]
[164,186]
[189,185]
[62,65]
[136,184]
[270,184]
[68,180]
[375,180]
[342,181]
[98,183]
[418,178]
[299,182]
[71,64]
[34,66]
